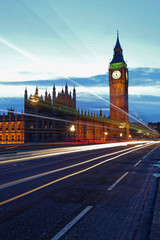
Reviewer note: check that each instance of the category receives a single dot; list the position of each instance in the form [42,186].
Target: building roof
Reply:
[118,45]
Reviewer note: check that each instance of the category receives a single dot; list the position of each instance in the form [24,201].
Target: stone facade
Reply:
[11,128]
[92,127]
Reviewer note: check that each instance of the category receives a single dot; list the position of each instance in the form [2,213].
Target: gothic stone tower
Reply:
[118,82]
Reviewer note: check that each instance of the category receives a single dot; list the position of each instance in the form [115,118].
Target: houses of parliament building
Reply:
[55,118]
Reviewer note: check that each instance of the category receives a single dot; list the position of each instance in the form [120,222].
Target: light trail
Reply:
[53,118]
[65,150]
[68,176]
[13,183]
[63,120]
[24,53]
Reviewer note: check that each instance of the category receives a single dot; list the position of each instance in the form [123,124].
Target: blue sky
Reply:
[46,39]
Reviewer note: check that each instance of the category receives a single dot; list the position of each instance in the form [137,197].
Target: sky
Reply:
[59,39]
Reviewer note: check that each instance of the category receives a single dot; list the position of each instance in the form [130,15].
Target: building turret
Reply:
[36,92]
[66,89]
[54,94]
[46,96]
[74,92]
[74,97]
[49,98]
[100,113]
[25,95]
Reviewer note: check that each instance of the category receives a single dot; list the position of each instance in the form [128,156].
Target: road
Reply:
[94,192]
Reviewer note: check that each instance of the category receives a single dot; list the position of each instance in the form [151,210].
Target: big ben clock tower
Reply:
[118,82]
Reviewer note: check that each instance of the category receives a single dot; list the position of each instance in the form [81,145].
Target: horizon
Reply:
[141,98]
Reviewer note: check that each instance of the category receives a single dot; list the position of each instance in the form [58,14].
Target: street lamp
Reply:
[72,128]
[121,134]
[106,133]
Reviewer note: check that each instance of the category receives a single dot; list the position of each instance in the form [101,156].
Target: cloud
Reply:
[144,92]
[137,77]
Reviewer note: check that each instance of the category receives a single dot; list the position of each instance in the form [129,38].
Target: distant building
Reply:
[11,128]
[46,128]
[155,126]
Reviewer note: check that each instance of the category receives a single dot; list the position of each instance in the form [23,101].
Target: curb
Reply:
[155,228]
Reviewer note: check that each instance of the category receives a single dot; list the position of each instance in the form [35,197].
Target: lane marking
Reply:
[65,177]
[13,183]
[73,222]
[149,152]
[119,179]
[125,174]
[137,163]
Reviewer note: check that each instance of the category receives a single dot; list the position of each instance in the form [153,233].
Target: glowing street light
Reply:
[72,128]
[121,134]
[106,133]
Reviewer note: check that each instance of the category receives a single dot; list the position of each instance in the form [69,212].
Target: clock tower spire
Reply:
[118,52]
[118,82]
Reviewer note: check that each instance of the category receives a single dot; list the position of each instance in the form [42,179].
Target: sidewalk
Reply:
[155,228]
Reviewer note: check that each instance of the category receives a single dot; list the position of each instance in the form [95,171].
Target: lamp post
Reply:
[72,130]
[105,134]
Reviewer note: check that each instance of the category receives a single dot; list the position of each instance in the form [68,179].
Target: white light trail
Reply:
[68,176]
[24,53]
[66,150]
[10,184]
[68,121]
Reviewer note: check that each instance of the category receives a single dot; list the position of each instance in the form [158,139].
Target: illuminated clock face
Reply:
[116,74]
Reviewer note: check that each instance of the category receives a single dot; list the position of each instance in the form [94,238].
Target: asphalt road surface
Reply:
[95,192]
